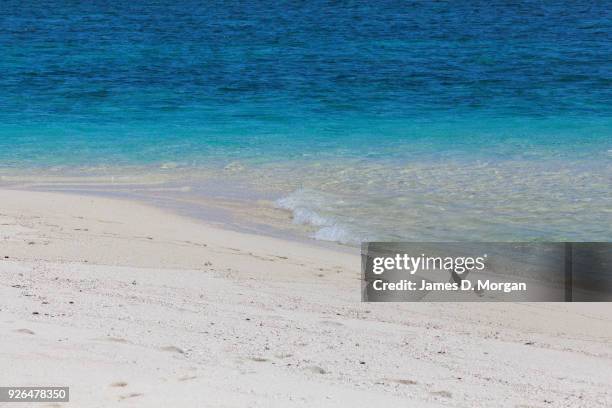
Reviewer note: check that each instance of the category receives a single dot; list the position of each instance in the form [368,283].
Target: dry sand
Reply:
[132,306]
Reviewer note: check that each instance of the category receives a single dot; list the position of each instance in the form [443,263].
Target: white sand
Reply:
[138,307]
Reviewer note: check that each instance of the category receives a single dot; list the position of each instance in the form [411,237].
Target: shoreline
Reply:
[168,225]
[251,215]
[129,304]
[350,201]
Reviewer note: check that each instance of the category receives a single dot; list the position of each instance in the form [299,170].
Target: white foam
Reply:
[306,206]
[335,233]
[304,216]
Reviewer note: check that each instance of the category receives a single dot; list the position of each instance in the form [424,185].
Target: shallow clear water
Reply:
[389,120]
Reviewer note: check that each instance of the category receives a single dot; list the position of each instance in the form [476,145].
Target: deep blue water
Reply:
[270,83]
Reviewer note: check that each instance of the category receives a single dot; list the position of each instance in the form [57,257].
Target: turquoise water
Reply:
[390,120]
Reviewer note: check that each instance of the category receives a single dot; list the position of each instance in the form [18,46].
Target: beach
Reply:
[131,305]
[185,188]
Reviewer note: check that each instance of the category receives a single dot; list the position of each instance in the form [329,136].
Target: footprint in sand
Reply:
[130,395]
[404,382]
[25,331]
[443,393]
[172,349]
[331,323]
[316,369]
[120,384]
[114,339]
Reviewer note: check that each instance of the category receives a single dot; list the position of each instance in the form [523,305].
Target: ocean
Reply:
[387,120]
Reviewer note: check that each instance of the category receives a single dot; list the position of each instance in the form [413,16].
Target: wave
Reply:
[307,206]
